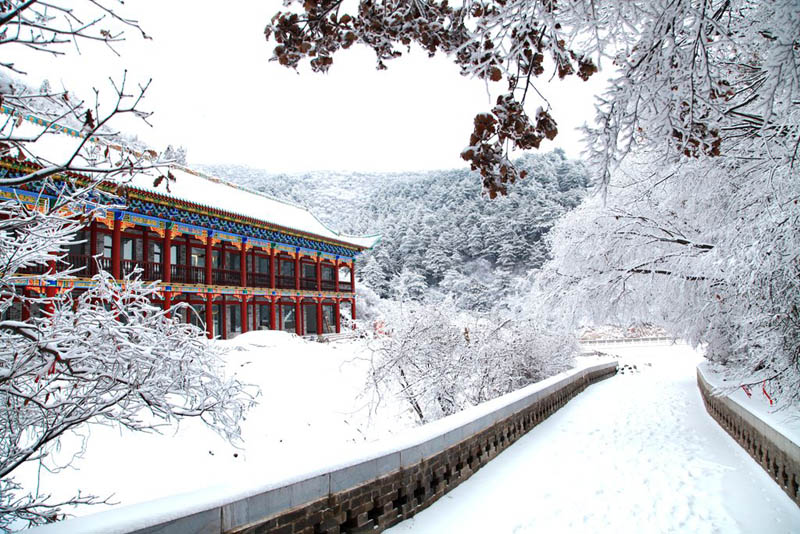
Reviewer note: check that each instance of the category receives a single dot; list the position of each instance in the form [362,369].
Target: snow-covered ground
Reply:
[634,453]
[309,413]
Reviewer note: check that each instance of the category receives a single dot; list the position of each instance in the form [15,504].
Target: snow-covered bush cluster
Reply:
[104,356]
[440,361]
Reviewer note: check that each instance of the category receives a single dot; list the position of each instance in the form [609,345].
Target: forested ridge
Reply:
[440,234]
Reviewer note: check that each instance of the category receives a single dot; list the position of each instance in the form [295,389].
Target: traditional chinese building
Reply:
[240,259]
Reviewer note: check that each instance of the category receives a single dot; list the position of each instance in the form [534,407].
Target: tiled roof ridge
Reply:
[246,189]
[150,154]
[217,179]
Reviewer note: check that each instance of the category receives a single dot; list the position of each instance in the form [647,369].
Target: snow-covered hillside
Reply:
[437,226]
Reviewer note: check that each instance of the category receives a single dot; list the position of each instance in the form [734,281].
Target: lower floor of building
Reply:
[225,316]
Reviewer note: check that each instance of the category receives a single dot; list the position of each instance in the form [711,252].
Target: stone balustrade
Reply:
[368,494]
[777,454]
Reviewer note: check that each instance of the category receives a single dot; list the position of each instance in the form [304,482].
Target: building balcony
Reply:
[225,277]
[284,282]
[257,280]
[190,274]
[328,285]
[308,283]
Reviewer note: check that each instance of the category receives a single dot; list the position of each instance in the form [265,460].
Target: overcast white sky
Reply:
[215,92]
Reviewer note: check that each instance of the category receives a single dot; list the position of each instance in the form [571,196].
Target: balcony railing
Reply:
[83,264]
[258,280]
[284,282]
[224,277]
[188,274]
[328,285]
[35,269]
[150,270]
[347,287]
[86,265]
[127,266]
[308,283]
[104,263]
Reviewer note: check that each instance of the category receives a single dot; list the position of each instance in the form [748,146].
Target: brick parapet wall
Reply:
[367,495]
[777,454]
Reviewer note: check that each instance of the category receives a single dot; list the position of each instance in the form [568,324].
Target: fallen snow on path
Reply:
[634,453]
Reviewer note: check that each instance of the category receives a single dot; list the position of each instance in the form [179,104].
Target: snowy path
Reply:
[634,453]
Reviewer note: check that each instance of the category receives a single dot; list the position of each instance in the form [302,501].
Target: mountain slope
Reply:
[439,231]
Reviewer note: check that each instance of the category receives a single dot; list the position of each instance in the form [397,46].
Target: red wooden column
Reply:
[145,259]
[168,302]
[50,291]
[353,280]
[319,316]
[272,269]
[26,307]
[319,274]
[209,254]
[243,304]
[337,316]
[166,257]
[298,322]
[224,319]
[116,248]
[243,264]
[353,310]
[210,315]
[92,247]
[336,274]
[297,270]
[272,324]
[188,257]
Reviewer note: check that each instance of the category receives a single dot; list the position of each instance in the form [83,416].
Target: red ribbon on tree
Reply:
[764,390]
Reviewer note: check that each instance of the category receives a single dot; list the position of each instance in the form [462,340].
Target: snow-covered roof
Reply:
[200,189]
[59,143]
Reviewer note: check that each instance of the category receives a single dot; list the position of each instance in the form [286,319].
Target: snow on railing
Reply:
[776,452]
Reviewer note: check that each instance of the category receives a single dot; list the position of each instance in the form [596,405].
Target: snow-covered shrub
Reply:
[105,356]
[441,361]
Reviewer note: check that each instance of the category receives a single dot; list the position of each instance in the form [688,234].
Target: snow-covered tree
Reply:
[106,355]
[440,361]
[703,92]
[409,285]
[713,256]
[173,154]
